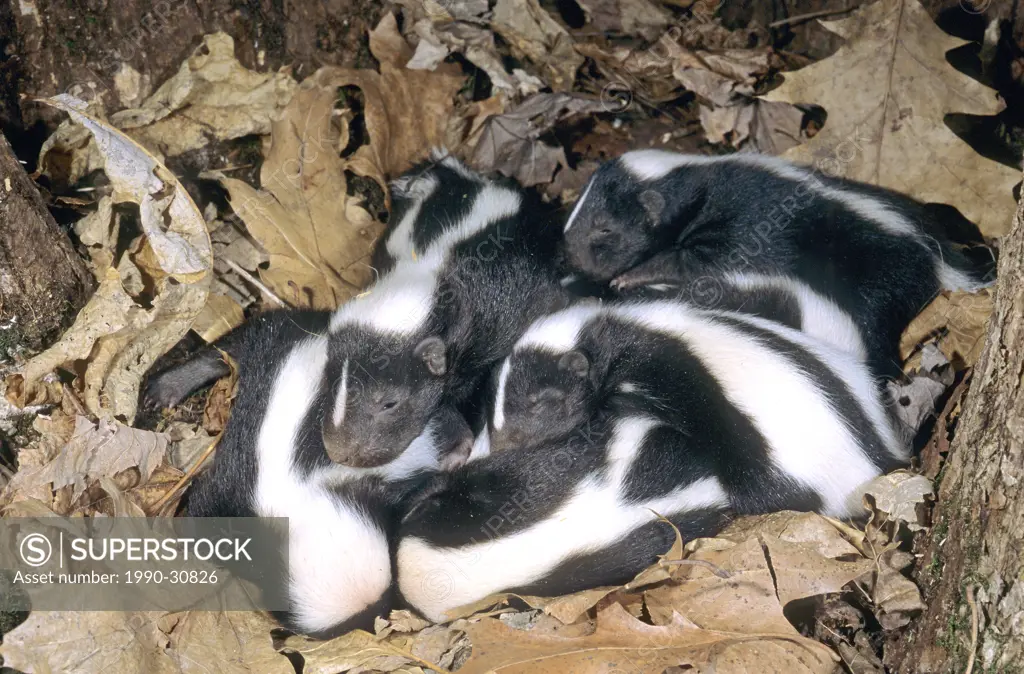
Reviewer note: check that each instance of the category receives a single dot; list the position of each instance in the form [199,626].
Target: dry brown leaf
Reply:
[318,245]
[626,17]
[406,111]
[211,97]
[622,640]
[764,126]
[220,315]
[120,504]
[895,596]
[478,46]
[896,497]
[101,642]
[534,35]
[750,600]
[233,642]
[218,402]
[94,451]
[116,336]
[356,649]
[509,142]
[892,133]
[811,529]
[957,320]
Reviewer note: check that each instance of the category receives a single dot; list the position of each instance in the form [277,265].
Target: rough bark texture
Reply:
[42,279]
[977,541]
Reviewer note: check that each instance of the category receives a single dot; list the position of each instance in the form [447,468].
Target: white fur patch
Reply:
[399,303]
[341,399]
[819,317]
[481,445]
[499,397]
[558,332]
[655,164]
[578,206]
[436,580]
[338,560]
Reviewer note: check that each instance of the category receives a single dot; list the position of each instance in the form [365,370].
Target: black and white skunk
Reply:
[653,216]
[794,422]
[548,520]
[271,462]
[467,276]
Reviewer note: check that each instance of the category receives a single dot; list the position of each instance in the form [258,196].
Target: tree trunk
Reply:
[42,279]
[976,545]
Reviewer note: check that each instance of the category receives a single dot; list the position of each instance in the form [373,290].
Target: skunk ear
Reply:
[431,352]
[653,204]
[575,362]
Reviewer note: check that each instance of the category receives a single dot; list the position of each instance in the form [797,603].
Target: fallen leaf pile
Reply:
[510,87]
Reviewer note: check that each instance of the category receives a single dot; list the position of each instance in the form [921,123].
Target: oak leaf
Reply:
[886,92]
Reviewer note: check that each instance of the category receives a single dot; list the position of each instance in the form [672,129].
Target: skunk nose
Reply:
[340,449]
[507,439]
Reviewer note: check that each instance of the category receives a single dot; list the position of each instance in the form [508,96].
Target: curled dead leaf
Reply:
[116,336]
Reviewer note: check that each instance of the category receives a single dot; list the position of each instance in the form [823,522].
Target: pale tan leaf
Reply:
[892,133]
[211,97]
[94,451]
[220,315]
[620,639]
[896,597]
[232,642]
[352,650]
[810,529]
[957,320]
[896,496]
[533,34]
[101,642]
[117,338]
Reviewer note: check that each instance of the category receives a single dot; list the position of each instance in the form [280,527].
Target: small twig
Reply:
[800,18]
[717,570]
[974,629]
[237,268]
[186,478]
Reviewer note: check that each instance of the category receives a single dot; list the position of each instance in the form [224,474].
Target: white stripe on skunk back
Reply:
[436,580]
[820,317]
[809,441]
[339,561]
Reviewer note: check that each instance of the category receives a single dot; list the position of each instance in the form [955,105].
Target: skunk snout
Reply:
[508,438]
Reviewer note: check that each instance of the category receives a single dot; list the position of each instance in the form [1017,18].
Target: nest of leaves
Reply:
[516,90]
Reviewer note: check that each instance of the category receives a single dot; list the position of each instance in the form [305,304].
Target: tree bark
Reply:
[42,279]
[976,546]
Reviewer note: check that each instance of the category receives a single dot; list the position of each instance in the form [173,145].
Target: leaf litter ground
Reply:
[790,592]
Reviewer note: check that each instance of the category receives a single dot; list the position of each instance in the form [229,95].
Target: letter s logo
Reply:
[35,550]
